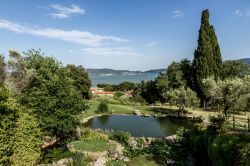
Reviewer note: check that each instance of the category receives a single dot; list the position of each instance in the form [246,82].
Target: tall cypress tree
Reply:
[207,57]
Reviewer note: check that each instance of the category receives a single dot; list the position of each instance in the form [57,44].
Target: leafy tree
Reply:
[126,86]
[207,58]
[149,91]
[182,97]
[186,68]
[209,89]
[19,77]
[108,88]
[81,80]
[162,85]
[52,96]
[234,95]
[175,75]
[230,95]
[234,69]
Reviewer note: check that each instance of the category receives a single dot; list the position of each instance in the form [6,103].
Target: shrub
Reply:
[217,121]
[119,94]
[103,107]
[55,154]
[79,159]
[120,136]
[90,135]
[124,100]
[223,150]
[133,152]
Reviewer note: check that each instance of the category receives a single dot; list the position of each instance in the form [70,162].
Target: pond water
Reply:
[139,126]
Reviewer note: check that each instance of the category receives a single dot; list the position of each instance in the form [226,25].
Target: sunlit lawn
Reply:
[91,145]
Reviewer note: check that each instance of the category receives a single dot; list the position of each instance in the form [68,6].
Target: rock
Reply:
[146,115]
[137,112]
[171,138]
[170,161]
[132,142]
[78,133]
[63,162]
[48,141]
[126,159]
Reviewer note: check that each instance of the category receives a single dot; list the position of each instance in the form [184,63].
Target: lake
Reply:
[139,126]
[116,79]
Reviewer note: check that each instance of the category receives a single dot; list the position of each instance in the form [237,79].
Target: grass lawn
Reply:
[91,145]
[127,109]
[142,161]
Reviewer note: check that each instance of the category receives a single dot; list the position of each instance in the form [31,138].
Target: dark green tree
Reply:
[52,96]
[233,68]
[148,91]
[126,86]
[207,58]
[175,75]
[186,68]
[81,80]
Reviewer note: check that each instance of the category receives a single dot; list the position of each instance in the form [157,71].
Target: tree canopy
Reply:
[207,57]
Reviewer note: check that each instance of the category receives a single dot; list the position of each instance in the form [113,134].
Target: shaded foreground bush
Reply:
[216,147]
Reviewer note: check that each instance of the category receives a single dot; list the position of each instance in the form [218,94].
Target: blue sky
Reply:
[122,34]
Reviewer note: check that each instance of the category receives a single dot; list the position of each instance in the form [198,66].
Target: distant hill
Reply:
[105,72]
[246,60]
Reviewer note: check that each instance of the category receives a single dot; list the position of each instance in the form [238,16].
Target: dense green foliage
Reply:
[51,95]
[123,86]
[146,91]
[216,147]
[182,97]
[207,58]
[120,136]
[230,95]
[26,147]
[81,80]
[37,98]
[103,107]
[8,118]
[54,154]
[234,69]
[161,151]
[19,133]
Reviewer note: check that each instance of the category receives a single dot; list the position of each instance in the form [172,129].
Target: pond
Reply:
[139,126]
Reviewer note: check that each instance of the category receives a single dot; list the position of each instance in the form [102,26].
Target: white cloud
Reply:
[62,12]
[71,51]
[248,12]
[151,44]
[112,52]
[238,12]
[73,36]
[177,13]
